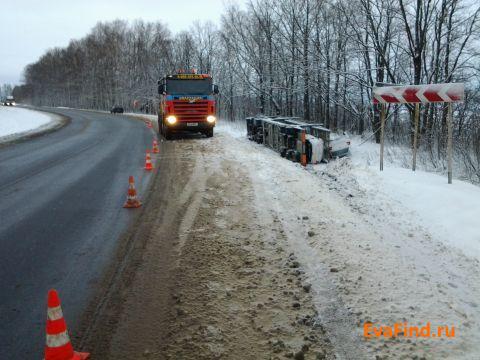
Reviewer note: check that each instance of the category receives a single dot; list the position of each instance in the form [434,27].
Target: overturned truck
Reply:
[283,134]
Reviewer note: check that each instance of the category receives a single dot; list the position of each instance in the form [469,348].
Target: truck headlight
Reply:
[211,119]
[172,119]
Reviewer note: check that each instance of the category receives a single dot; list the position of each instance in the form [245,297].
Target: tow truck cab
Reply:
[187,103]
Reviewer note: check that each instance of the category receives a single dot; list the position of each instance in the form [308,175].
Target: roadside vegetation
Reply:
[314,59]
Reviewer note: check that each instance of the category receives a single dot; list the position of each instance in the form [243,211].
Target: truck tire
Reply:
[167,134]
[209,133]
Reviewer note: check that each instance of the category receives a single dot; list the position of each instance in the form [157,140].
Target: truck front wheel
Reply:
[209,133]
[167,133]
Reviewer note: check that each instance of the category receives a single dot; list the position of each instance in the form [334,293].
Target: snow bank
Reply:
[142,116]
[376,247]
[17,122]
[449,211]
[235,129]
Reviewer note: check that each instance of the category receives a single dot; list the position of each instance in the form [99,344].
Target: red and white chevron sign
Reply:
[452,92]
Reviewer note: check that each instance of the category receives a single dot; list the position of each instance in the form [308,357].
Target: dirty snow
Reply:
[382,248]
[16,122]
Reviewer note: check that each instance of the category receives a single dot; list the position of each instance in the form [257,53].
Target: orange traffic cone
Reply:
[58,345]
[148,161]
[155,147]
[132,201]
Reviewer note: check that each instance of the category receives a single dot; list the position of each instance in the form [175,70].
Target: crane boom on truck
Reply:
[187,103]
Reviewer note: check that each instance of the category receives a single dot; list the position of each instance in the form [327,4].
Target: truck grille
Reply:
[186,111]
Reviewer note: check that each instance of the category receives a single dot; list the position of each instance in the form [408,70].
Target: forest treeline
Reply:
[315,59]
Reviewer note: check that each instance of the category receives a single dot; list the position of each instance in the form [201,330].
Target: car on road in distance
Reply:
[9,101]
[116,110]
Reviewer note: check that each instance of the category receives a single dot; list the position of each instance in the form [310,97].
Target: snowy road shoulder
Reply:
[370,256]
[16,123]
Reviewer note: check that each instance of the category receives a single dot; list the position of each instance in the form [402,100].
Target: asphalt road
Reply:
[61,215]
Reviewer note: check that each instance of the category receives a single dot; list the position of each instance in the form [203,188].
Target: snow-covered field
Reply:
[16,122]
[386,248]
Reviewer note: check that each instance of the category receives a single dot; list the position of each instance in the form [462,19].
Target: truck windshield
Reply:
[189,87]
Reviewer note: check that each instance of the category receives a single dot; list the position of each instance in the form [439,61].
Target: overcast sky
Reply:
[29,27]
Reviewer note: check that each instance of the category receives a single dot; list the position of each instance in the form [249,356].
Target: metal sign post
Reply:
[449,142]
[417,94]
[382,133]
[415,136]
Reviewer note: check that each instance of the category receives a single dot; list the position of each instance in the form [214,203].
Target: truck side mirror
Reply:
[162,88]
[215,89]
